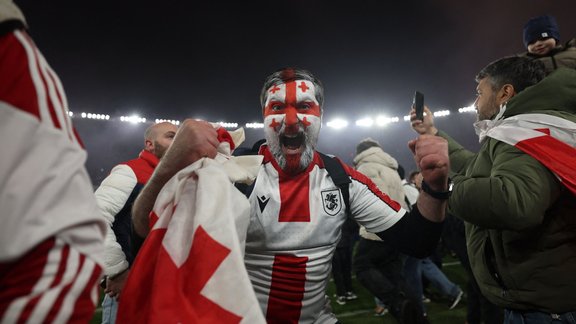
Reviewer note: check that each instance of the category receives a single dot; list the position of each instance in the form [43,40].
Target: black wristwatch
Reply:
[441,195]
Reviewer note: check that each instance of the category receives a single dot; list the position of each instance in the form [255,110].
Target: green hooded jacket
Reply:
[520,220]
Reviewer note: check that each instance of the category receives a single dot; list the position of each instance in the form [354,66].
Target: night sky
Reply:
[208,59]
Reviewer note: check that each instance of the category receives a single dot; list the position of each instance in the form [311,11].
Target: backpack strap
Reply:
[339,176]
[335,171]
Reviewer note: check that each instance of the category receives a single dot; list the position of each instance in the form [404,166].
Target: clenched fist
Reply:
[431,156]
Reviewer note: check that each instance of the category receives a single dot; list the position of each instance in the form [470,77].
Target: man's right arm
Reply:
[111,196]
[195,139]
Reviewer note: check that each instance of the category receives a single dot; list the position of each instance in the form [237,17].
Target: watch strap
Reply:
[441,195]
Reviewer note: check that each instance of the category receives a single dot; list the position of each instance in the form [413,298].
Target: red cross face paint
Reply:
[292,120]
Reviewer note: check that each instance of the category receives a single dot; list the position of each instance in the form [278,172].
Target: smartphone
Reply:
[418,104]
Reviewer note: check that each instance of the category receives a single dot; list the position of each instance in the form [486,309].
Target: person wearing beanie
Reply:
[542,41]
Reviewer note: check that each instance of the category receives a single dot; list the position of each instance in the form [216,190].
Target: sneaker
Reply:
[454,302]
[351,296]
[380,311]
[341,300]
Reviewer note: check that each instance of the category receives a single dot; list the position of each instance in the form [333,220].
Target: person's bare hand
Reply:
[194,140]
[425,126]
[115,286]
[431,156]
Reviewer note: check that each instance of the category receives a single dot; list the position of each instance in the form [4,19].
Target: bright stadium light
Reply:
[383,120]
[365,122]
[441,113]
[337,123]
[254,125]
[467,109]
[134,119]
[159,120]
[228,125]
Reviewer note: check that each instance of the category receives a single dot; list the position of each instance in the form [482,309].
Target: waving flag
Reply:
[550,140]
[190,269]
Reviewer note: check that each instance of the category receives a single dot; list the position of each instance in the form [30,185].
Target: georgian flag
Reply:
[550,140]
[190,269]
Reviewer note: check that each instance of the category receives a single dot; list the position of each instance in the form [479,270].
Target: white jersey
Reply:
[294,228]
[45,190]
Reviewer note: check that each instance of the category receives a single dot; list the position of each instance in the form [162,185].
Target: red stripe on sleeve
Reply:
[84,306]
[372,187]
[57,305]
[16,85]
[33,302]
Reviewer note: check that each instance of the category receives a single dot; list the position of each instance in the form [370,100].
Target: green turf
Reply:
[361,310]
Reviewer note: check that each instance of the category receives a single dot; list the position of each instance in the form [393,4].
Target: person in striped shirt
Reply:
[51,238]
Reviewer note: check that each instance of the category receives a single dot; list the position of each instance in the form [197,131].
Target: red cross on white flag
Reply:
[548,139]
[190,269]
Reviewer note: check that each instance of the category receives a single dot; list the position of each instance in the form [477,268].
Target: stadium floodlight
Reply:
[365,122]
[228,125]
[468,109]
[383,120]
[134,119]
[441,113]
[254,125]
[337,123]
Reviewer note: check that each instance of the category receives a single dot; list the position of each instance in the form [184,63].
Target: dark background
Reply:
[208,59]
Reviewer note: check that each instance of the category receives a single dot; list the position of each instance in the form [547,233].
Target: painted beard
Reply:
[278,142]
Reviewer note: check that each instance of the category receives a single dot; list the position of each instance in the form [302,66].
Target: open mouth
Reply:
[293,142]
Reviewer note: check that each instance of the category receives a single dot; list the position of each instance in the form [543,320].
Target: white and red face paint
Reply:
[292,120]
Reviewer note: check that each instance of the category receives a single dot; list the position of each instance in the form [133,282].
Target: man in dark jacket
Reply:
[516,194]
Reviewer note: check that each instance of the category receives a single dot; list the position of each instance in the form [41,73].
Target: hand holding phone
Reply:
[418,105]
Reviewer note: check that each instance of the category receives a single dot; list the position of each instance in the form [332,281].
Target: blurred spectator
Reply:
[52,234]
[378,265]
[342,262]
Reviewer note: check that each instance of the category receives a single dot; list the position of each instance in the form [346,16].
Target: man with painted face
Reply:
[296,209]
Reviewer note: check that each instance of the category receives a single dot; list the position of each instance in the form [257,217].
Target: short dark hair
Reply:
[366,144]
[412,175]
[521,72]
[290,74]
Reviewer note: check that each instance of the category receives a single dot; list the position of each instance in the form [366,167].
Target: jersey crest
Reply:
[332,201]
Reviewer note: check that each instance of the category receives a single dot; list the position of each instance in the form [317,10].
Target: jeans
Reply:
[416,268]
[109,310]
[438,279]
[527,317]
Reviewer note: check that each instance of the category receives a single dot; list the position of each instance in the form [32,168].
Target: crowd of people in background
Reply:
[300,216]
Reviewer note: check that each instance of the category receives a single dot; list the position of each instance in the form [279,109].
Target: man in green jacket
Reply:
[517,195]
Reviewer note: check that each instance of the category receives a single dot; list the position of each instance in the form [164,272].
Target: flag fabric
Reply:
[549,139]
[190,269]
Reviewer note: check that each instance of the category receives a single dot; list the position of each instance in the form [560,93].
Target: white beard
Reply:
[310,140]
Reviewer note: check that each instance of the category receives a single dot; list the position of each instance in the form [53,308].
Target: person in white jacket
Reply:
[115,196]
[379,265]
